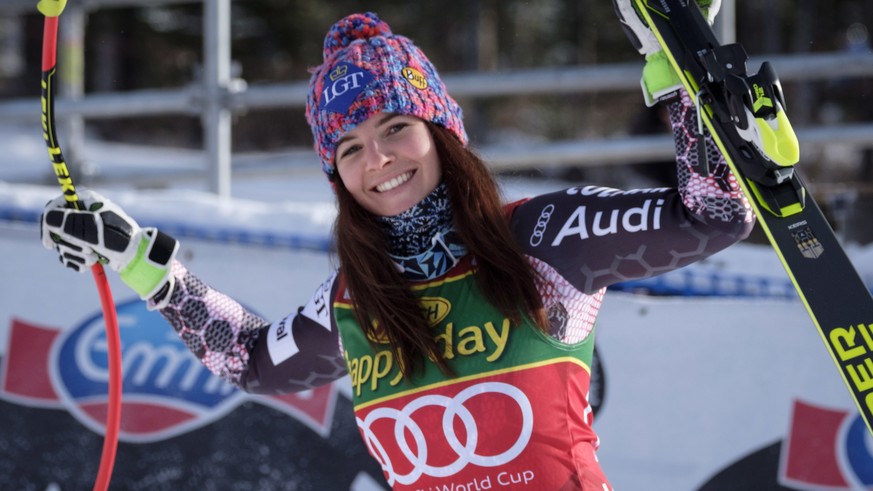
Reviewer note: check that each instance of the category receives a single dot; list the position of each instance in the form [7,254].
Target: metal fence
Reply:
[217,96]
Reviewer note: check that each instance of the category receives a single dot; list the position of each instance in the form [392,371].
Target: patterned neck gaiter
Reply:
[423,242]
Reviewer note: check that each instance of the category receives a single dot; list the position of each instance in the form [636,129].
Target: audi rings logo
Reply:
[465,452]
[536,238]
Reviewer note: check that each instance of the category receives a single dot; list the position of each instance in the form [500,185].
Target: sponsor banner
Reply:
[181,427]
[826,449]
[704,394]
[166,390]
[724,394]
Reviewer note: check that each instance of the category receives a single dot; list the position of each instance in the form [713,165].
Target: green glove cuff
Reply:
[150,268]
[706,6]
[660,81]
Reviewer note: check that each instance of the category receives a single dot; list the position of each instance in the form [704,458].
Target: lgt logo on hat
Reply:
[342,86]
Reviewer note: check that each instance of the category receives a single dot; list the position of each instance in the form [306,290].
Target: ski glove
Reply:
[659,81]
[103,232]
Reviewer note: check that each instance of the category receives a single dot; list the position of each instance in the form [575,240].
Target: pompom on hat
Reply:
[368,70]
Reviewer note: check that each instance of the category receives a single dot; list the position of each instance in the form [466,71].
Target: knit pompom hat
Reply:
[367,70]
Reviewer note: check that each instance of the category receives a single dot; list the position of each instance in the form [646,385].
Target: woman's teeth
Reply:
[393,183]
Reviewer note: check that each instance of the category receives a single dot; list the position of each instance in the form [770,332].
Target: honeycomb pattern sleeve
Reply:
[593,236]
[709,189]
[233,343]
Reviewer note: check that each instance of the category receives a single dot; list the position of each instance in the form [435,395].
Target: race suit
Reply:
[516,415]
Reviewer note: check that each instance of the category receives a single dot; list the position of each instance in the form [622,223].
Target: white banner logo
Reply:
[454,408]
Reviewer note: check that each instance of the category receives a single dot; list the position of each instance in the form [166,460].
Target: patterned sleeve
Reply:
[592,237]
[583,239]
[293,354]
[711,192]
[216,328]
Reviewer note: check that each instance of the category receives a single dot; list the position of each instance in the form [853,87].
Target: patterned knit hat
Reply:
[367,70]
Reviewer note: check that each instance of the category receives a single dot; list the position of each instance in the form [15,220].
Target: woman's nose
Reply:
[378,156]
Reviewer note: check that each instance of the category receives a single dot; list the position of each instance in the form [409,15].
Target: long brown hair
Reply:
[378,290]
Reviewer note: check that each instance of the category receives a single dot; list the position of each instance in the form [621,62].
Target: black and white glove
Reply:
[103,232]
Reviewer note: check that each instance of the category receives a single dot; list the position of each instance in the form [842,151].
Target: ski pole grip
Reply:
[51,8]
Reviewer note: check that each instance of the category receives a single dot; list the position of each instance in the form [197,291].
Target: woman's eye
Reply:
[396,127]
[351,149]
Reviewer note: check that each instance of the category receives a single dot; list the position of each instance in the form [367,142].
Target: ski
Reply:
[745,114]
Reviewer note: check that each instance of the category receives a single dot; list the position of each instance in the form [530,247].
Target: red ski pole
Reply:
[52,9]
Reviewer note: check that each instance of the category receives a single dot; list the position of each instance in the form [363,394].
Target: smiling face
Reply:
[388,163]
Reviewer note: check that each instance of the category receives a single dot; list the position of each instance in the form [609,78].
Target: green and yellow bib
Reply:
[515,415]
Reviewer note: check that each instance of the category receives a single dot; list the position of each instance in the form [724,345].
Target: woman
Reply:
[466,325]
